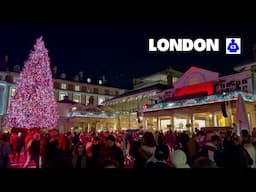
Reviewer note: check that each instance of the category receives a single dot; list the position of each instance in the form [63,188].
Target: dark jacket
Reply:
[134,152]
[236,157]
[116,154]
[34,149]
[217,154]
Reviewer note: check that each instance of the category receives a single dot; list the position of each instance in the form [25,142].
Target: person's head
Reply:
[69,135]
[177,145]
[53,133]
[236,140]
[216,140]
[245,136]
[2,136]
[148,139]
[111,140]
[80,149]
[95,140]
[200,136]
[179,159]
[19,134]
[36,136]
[162,152]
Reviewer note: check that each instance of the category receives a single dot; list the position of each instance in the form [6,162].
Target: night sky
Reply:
[120,51]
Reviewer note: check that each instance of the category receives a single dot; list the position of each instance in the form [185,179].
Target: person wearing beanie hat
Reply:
[179,159]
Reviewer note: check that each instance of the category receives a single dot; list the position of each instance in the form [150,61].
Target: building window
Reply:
[62,95]
[77,88]
[84,88]
[63,86]
[244,81]
[87,99]
[77,98]
[95,90]
[100,100]
[117,93]
[106,91]
[245,88]
[12,91]
[11,94]
[222,86]
[56,85]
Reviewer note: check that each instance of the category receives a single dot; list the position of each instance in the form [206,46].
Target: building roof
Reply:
[245,66]
[170,69]
[138,91]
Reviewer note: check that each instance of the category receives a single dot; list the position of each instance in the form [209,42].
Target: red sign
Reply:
[197,88]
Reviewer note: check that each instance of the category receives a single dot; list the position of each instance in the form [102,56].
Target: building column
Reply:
[158,123]
[192,119]
[89,127]
[215,124]
[172,122]
[144,122]
[211,124]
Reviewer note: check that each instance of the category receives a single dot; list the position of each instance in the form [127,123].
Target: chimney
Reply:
[81,76]
[6,59]
[16,68]
[54,71]
[169,80]
[76,78]
[104,80]
[63,76]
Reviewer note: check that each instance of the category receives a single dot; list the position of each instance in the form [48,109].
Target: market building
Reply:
[127,106]
[201,98]
[77,91]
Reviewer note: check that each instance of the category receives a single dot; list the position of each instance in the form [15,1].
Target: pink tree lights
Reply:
[33,104]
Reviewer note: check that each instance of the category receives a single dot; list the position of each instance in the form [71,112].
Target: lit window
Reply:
[77,98]
[15,79]
[87,99]
[100,100]
[12,91]
[244,81]
[63,86]
[89,80]
[62,95]
[100,82]
[174,79]
[77,88]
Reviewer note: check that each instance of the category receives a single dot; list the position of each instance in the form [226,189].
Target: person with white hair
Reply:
[179,159]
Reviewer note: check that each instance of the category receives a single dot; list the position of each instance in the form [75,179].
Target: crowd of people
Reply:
[129,149]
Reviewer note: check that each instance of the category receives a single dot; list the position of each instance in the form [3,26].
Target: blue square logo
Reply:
[233,46]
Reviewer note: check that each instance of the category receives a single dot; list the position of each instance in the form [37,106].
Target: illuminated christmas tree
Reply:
[33,104]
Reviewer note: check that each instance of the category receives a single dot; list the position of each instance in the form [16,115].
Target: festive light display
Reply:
[90,114]
[33,104]
[201,100]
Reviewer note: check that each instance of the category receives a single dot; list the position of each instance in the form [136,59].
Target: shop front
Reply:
[186,115]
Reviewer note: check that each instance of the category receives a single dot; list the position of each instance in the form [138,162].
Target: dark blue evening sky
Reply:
[121,51]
